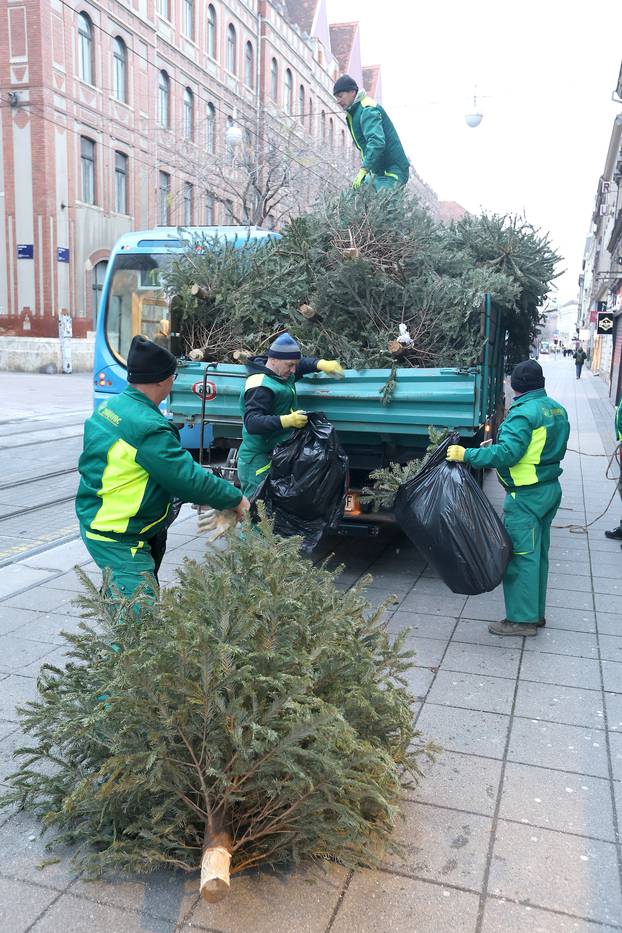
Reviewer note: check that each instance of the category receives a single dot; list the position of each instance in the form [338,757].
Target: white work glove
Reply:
[215,523]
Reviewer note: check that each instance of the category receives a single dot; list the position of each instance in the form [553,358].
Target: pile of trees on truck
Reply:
[370,278]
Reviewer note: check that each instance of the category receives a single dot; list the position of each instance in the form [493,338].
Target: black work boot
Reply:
[615,534]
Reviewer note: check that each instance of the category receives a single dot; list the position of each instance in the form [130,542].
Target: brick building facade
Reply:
[113,117]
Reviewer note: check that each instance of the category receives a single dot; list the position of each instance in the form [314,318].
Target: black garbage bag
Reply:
[447,516]
[305,489]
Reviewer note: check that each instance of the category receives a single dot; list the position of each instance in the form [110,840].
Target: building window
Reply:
[164,8]
[274,80]
[211,31]
[87,162]
[331,132]
[228,206]
[165,197]
[164,100]
[301,104]
[209,210]
[287,91]
[188,118]
[188,18]
[85,48]
[119,70]
[343,140]
[210,123]
[249,65]
[188,204]
[311,126]
[231,44]
[120,183]
[323,126]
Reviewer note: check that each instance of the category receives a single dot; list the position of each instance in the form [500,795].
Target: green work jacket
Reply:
[131,468]
[375,136]
[264,398]
[531,444]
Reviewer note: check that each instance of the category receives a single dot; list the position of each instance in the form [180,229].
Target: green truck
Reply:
[374,429]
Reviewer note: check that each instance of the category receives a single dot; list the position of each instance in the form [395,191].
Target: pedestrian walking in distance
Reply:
[616,534]
[269,405]
[580,357]
[132,467]
[527,456]
[383,160]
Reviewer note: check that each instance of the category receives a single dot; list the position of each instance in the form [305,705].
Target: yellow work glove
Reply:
[216,523]
[455,453]
[333,367]
[360,178]
[297,419]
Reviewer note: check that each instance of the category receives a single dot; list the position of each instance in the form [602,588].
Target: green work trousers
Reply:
[252,471]
[527,515]
[128,562]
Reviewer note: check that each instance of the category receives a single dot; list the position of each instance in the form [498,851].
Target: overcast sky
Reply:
[544,70]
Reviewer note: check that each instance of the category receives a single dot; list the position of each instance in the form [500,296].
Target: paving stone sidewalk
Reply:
[516,826]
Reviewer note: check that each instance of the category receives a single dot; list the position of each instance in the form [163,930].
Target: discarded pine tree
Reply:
[256,716]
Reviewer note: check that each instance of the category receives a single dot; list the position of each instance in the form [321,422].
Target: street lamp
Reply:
[474,118]
[233,135]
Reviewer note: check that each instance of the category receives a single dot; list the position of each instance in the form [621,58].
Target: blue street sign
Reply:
[25,251]
[62,254]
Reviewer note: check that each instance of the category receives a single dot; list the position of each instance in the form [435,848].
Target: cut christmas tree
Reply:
[370,278]
[257,715]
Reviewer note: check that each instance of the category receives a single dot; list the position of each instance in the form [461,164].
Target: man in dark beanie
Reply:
[383,160]
[527,456]
[269,406]
[132,467]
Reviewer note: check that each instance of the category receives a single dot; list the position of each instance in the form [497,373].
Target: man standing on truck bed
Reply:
[384,161]
[269,405]
[132,467]
[527,456]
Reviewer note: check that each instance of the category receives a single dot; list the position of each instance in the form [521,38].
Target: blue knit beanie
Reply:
[284,348]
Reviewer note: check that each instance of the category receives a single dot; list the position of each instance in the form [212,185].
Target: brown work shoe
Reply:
[541,623]
[513,628]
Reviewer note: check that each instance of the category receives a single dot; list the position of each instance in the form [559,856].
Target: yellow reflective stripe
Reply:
[263,468]
[524,472]
[90,534]
[254,381]
[123,486]
[391,175]
[161,518]
[137,548]
[368,102]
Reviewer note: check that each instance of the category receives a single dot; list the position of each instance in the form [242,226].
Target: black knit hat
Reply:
[345,83]
[527,376]
[147,362]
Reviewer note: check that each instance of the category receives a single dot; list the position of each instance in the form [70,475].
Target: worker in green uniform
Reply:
[131,468]
[527,456]
[270,408]
[616,534]
[383,160]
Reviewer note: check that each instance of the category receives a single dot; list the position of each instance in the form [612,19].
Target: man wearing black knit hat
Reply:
[132,467]
[527,456]
[383,160]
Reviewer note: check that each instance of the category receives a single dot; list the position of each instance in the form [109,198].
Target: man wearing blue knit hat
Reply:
[269,405]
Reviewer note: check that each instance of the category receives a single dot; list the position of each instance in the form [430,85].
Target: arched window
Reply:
[231,49]
[119,69]
[343,140]
[164,100]
[287,91]
[210,141]
[331,132]
[311,118]
[274,80]
[188,116]
[301,104]
[249,59]
[85,48]
[323,127]
[211,31]
[188,18]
